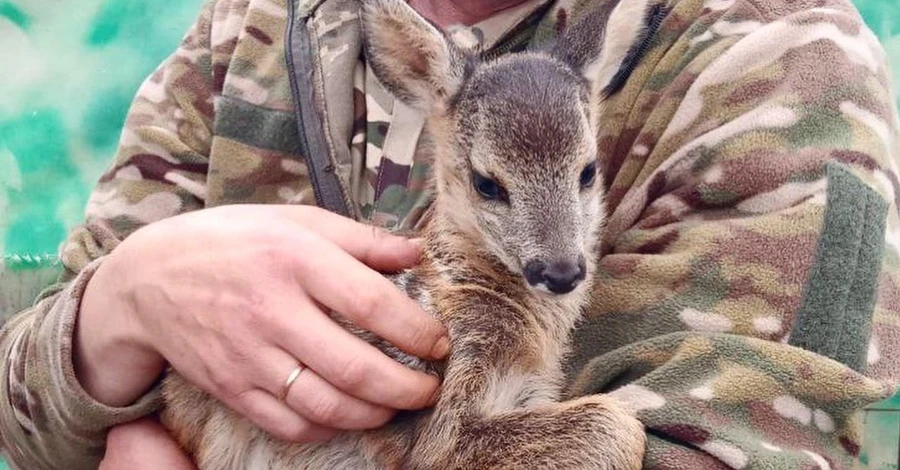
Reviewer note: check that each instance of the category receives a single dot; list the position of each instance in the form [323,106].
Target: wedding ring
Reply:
[290,381]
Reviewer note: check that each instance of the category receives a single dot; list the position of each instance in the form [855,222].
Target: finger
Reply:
[317,400]
[267,412]
[144,444]
[352,365]
[373,246]
[371,302]
[320,402]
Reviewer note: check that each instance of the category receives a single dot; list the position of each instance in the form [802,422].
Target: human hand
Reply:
[143,445]
[234,297]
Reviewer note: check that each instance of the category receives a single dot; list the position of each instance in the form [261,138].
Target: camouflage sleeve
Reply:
[748,301]
[47,420]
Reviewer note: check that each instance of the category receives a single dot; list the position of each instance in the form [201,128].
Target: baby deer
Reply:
[511,243]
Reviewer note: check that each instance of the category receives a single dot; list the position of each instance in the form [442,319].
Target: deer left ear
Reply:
[411,57]
[606,45]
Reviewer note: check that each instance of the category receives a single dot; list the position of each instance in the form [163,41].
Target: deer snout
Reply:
[558,276]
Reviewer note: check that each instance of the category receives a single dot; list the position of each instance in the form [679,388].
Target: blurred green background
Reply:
[70,70]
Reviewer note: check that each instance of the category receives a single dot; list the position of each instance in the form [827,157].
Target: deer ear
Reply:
[581,45]
[410,56]
[606,45]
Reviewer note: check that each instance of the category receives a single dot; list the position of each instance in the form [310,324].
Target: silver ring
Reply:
[290,381]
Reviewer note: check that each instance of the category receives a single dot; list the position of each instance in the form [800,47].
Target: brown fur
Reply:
[528,122]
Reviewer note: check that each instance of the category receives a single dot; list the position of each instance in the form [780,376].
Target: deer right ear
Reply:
[607,56]
[411,57]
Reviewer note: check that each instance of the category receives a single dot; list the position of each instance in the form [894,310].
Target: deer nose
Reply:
[560,276]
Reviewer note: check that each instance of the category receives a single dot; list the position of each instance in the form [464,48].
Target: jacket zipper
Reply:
[322,175]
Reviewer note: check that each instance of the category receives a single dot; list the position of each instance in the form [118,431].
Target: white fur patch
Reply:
[259,456]
[703,321]
[224,450]
[464,38]
[504,393]
[791,408]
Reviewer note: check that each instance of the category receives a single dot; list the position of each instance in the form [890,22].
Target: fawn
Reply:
[511,246]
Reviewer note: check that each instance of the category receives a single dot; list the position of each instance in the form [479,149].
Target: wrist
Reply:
[113,362]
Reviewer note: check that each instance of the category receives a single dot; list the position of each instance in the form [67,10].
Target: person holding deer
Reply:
[741,303]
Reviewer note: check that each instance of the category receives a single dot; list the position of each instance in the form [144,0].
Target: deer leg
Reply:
[592,432]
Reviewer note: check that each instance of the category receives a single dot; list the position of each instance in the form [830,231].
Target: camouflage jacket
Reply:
[748,302]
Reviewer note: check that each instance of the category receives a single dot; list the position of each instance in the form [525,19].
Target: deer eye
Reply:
[488,188]
[588,175]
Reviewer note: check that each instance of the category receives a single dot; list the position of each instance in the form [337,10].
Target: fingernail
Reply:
[441,348]
[418,242]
